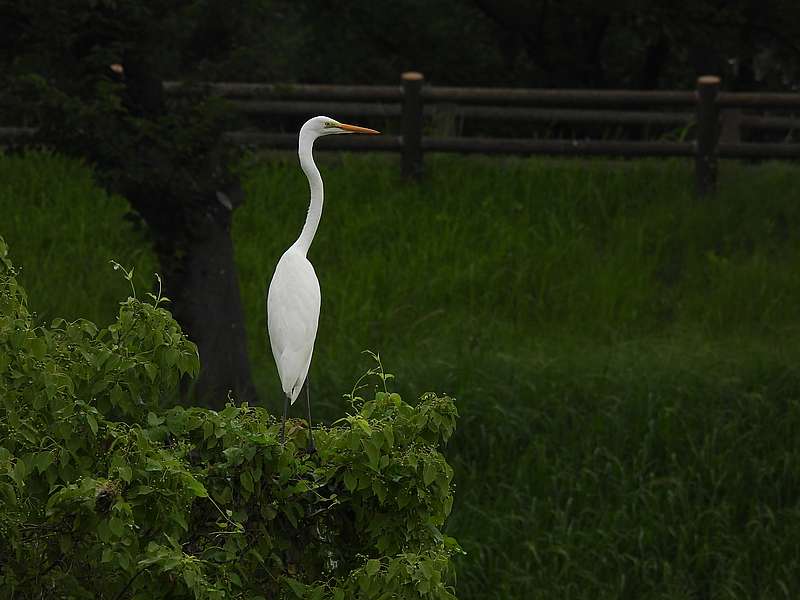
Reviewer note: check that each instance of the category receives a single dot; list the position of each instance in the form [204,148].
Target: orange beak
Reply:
[356,129]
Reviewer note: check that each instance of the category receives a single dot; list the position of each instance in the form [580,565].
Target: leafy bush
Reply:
[107,491]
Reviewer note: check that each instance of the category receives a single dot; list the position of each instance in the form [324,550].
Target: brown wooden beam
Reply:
[753,150]
[760,100]
[557,147]
[559,97]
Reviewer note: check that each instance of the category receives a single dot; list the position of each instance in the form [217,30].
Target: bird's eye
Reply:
[329,124]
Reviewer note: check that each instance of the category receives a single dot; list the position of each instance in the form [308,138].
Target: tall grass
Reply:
[507,260]
[62,231]
[624,355]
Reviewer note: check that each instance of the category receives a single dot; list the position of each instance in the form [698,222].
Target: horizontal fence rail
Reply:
[557,147]
[716,118]
[505,96]
[592,98]
[759,101]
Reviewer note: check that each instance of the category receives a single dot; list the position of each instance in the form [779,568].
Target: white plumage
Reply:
[292,316]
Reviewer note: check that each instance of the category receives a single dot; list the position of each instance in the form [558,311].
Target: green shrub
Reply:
[107,491]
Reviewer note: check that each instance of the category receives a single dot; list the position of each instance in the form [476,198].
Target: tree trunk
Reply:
[190,223]
[192,240]
[207,303]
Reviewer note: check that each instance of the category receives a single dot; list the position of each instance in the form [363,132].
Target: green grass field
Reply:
[625,357]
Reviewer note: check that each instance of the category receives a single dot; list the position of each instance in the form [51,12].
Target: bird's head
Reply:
[319,126]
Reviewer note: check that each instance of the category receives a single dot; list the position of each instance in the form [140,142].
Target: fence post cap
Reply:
[412,76]
[708,80]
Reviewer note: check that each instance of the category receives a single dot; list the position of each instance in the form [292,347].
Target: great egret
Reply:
[293,300]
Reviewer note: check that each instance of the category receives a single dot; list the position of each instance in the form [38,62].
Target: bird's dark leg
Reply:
[283,421]
[311,447]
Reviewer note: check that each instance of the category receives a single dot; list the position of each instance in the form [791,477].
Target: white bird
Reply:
[293,300]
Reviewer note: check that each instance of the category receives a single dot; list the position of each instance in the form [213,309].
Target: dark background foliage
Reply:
[637,441]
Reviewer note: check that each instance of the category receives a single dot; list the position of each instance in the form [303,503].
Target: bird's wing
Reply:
[293,304]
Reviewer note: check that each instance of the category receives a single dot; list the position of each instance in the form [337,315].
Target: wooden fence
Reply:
[716,118]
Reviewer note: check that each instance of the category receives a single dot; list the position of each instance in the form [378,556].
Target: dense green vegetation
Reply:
[624,356]
[497,266]
[109,490]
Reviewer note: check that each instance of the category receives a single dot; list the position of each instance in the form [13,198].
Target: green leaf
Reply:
[298,588]
[152,371]
[197,488]
[118,395]
[350,481]
[268,512]
[179,518]
[190,578]
[92,422]
[427,568]
[380,490]
[7,494]
[43,460]
[364,426]
[88,327]
[373,566]
[448,505]
[171,357]
[38,347]
[318,593]
[116,526]
[373,454]
[429,472]
[388,434]
[247,481]
[104,532]
[289,511]
[125,473]
[20,472]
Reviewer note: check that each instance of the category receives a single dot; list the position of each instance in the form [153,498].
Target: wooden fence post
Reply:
[412,124]
[705,163]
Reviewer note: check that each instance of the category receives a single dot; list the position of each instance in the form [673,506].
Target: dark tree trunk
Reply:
[190,224]
[201,279]
[193,243]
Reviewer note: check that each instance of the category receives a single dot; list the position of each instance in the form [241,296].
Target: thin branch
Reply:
[130,581]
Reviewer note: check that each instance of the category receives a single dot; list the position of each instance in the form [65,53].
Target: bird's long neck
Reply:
[306,145]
